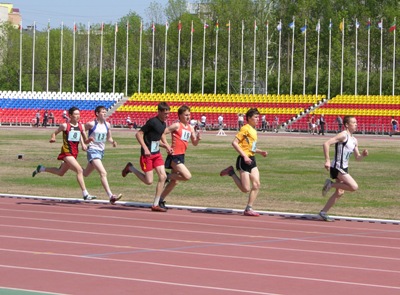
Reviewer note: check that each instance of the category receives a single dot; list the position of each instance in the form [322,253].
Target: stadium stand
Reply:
[373,112]
[19,108]
[141,106]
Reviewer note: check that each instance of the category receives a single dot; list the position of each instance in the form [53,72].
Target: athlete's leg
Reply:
[60,171]
[162,177]
[88,170]
[98,165]
[76,167]
[255,188]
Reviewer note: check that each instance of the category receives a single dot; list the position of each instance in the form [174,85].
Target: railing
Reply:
[26,121]
[380,129]
[363,128]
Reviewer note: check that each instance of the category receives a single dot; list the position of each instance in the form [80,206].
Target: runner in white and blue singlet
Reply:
[99,134]
[345,145]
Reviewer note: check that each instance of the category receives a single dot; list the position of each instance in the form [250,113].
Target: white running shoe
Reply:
[325,216]
[89,197]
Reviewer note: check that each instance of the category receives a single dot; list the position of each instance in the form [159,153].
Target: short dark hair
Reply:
[98,109]
[251,112]
[72,110]
[163,106]
[183,109]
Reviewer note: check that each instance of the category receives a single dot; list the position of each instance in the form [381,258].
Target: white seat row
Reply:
[61,95]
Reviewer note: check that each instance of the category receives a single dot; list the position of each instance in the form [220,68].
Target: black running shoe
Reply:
[161,204]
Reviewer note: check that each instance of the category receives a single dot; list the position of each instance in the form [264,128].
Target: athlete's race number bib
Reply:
[74,135]
[185,135]
[254,147]
[101,137]
[155,146]
[347,156]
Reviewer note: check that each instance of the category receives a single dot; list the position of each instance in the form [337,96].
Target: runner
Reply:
[345,144]
[181,133]
[99,134]
[245,143]
[150,137]
[73,133]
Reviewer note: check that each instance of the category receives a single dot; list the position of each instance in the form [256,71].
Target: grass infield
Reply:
[292,174]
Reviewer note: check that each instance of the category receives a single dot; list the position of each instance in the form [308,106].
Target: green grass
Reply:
[291,175]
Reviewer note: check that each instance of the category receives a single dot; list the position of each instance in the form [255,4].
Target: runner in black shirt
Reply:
[151,137]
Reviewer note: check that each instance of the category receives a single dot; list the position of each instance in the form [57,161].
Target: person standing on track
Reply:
[151,137]
[73,133]
[345,144]
[245,143]
[99,134]
[181,133]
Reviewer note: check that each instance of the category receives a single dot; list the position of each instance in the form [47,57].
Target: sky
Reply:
[79,11]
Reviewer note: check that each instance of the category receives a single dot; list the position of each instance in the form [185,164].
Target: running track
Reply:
[95,248]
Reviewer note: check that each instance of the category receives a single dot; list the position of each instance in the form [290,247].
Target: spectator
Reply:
[65,117]
[322,125]
[203,122]
[45,118]
[339,121]
[313,124]
[263,123]
[129,123]
[240,121]
[51,118]
[37,116]
[220,122]
[276,123]
[194,124]
[394,126]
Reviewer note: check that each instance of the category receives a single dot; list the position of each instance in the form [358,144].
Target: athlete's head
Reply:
[251,112]
[163,106]
[183,109]
[347,119]
[163,111]
[74,114]
[72,110]
[350,123]
[99,109]
[184,114]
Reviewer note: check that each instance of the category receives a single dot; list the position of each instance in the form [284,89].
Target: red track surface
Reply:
[102,249]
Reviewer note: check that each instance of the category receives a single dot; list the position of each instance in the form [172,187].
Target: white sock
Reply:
[85,193]
[156,201]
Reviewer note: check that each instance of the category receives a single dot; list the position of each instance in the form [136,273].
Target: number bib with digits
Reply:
[185,135]
[101,137]
[74,135]
[155,146]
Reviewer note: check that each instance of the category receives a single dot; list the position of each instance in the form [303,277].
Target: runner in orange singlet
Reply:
[181,133]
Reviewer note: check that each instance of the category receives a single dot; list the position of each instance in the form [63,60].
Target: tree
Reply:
[175,9]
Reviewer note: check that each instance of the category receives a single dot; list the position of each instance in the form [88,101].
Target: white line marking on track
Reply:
[207,269]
